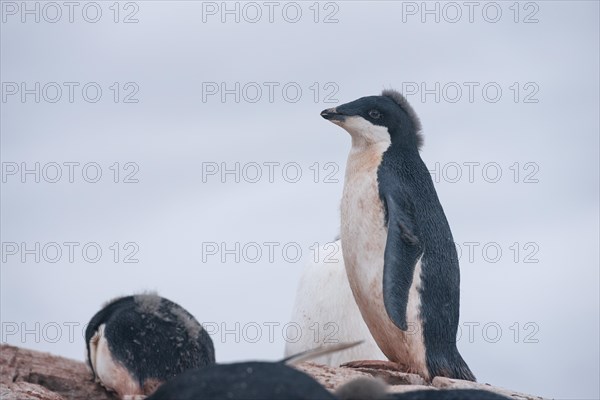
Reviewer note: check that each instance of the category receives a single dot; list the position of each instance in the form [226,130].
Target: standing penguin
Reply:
[136,343]
[398,249]
[326,312]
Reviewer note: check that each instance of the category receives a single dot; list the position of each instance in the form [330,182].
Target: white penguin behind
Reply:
[326,312]
[398,248]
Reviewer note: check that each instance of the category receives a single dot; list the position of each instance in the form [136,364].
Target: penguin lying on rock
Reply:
[398,249]
[247,380]
[250,380]
[276,380]
[447,394]
[136,343]
[324,302]
[376,389]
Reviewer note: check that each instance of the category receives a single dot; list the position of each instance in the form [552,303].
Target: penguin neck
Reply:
[361,144]
[405,140]
[401,151]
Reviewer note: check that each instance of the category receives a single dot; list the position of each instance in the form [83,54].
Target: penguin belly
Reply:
[364,234]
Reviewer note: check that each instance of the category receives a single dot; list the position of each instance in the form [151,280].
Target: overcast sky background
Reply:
[547,311]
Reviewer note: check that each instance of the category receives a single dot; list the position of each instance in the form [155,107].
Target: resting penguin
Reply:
[398,249]
[325,311]
[250,380]
[448,394]
[136,343]
[247,380]
[275,380]
[366,388]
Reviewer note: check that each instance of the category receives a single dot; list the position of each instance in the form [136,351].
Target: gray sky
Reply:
[519,99]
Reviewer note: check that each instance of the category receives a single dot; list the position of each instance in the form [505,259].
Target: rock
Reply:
[32,375]
[27,374]
[330,377]
[26,391]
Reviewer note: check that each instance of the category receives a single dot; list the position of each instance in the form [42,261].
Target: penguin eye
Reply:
[374,114]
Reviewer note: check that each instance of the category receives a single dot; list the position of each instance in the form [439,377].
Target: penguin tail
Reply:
[462,370]
[453,367]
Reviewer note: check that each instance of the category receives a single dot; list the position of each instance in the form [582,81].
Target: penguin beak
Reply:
[332,115]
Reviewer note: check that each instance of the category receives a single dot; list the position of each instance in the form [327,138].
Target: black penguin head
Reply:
[373,119]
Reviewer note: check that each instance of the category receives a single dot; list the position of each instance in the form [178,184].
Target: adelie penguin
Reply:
[397,245]
[242,381]
[136,343]
[251,380]
[366,388]
[271,380]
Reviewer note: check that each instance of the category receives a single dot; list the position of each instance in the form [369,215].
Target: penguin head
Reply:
[387,118]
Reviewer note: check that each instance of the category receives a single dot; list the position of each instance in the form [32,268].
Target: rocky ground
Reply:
[31,375]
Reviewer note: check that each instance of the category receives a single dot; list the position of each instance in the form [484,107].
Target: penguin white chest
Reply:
[363,220]
[364,235]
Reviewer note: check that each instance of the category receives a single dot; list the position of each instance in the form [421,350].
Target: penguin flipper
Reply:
[402,252]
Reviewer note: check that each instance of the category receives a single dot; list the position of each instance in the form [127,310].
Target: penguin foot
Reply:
[377,364]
